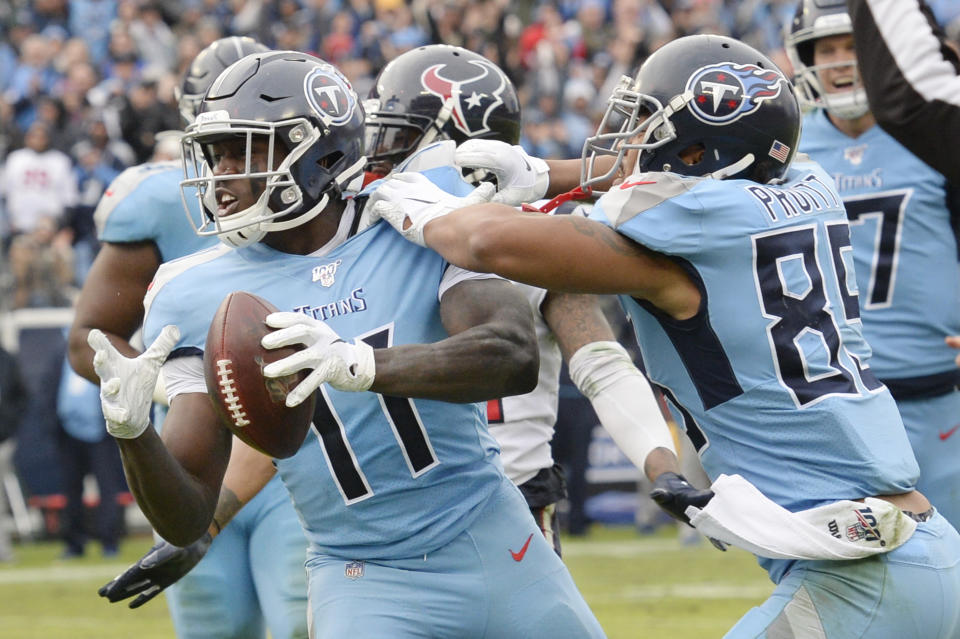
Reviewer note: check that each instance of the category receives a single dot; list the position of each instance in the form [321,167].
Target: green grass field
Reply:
[638,586]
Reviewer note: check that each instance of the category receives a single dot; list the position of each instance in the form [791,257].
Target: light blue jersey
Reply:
[414,529]
[252,578]
[143,204]
[771,379]
[363,475]
[790,405]
[905,251]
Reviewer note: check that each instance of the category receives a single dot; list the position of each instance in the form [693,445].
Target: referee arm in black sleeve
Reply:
[912,78]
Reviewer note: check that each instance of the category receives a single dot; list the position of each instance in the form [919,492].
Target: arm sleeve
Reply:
[911,76]
[622,399]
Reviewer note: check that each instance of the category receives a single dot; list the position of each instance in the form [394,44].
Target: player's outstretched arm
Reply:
[520,177]
[603,371]
[112,300]
[491,351]
[621,396]
[558,253]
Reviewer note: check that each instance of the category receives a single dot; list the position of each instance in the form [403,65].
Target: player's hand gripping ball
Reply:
[253,406]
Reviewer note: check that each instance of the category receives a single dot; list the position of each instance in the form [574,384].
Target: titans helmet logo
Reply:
[725,92]
[463,94]
[330,96]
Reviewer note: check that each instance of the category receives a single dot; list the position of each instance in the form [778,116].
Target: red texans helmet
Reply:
[438,92]
[705,92]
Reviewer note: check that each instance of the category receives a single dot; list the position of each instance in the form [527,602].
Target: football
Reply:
[251,405]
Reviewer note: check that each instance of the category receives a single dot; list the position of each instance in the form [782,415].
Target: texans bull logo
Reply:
[725,92]
[463,94]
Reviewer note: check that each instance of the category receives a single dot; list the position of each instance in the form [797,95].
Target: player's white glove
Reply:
[345,366]
[408,201]
[520,177]
[126,384]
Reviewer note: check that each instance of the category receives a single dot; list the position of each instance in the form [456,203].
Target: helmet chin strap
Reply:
[732,169]
[847,106]
[242,237]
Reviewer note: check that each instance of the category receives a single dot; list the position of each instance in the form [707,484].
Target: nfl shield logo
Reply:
[353,570]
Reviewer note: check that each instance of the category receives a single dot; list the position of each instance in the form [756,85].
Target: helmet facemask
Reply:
[188,104]
[846,105]
[391,138]
[282,204]
[632,121]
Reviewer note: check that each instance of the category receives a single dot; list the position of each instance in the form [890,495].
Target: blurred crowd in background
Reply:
[87,86]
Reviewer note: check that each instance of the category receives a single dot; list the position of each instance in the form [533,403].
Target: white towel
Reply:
[742,516]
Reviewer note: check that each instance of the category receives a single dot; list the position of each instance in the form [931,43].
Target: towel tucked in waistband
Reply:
[740,515]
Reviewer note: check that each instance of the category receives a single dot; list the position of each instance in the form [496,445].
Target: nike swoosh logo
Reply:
[416,199]
[518,556]
[627,185]
[944,436]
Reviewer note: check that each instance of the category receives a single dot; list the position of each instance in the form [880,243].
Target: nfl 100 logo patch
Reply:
[325,273]
[353,570]
[865,527]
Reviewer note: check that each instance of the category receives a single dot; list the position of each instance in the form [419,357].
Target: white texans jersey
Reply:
[523,424]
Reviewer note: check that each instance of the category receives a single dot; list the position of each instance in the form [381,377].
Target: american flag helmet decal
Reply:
[779,151]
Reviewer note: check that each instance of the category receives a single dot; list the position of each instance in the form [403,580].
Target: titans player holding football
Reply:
[250,577]
[901,215]
[409,517]
[730,261]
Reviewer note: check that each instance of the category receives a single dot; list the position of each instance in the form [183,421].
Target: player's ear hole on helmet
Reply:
[330,160]
[693,154]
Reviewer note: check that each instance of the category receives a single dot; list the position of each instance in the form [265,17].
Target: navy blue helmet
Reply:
[706,92]
[294,102]
[205,68]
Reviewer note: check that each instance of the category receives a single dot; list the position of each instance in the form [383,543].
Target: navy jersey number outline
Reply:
[888,209]
[795,314]
[400,412]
